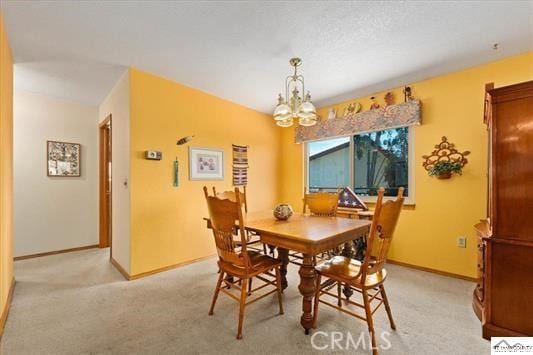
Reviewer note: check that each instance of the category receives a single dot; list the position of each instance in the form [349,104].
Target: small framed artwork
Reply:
[206,164]
[63,159]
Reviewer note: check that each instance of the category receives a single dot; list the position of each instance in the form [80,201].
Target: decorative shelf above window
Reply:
[393,116]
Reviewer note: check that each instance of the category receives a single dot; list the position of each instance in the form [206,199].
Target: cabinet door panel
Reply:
[512,286]
[513,174]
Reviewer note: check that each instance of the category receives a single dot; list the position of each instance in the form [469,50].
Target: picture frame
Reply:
[206,164]
[63,159]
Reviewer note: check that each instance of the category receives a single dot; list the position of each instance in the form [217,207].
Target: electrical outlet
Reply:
[461,242]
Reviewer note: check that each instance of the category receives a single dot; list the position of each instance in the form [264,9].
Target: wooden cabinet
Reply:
[503,297]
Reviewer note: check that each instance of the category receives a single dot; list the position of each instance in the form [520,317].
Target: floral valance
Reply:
[393,116]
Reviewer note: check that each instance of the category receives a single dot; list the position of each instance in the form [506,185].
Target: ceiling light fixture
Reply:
[294,107]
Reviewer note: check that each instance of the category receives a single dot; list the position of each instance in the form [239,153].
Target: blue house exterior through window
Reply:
[329,164]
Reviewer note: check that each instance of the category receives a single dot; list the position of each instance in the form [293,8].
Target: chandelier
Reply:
[294,107]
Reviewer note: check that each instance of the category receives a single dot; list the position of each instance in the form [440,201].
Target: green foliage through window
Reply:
[381,160]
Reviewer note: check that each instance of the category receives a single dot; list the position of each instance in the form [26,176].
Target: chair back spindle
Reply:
[386,217]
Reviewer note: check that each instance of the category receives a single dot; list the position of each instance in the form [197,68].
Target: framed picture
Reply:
[63,159]
[206,164]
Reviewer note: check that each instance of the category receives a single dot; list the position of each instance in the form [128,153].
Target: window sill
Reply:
[372,200]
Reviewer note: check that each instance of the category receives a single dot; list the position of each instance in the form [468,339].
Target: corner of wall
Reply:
[166,221]
[6,173]
[118,105]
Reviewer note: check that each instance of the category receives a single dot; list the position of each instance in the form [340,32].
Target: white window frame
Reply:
[409,200]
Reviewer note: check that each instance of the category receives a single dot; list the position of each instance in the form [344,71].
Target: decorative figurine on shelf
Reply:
[407,94]
[445,160]
[389,99]
[374,105]
[351,109]
[332,113]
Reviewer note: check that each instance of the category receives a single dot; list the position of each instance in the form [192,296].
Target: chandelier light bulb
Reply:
[285,123]
[307,122]
[307,109]
[282,110]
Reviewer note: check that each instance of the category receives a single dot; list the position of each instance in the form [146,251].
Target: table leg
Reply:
[283,255]
[360,248]
[307,289]
[272,249]
[348,253]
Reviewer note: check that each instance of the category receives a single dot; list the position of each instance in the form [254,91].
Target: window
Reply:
[329,165]
[364,162]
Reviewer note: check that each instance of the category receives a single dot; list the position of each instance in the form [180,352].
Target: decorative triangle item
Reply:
[349,199]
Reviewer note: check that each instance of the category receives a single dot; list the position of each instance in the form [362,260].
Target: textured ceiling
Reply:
[240,50]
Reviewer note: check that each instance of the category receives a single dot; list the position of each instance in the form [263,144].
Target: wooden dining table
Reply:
[309,235]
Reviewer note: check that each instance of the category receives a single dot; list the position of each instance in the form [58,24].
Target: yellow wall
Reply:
[6,168]
[445,209]
[166,222]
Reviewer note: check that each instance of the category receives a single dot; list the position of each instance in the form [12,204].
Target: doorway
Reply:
[106,178]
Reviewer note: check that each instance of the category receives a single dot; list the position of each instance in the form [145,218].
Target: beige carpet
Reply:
[78,303]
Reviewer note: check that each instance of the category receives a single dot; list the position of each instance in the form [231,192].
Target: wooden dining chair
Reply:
[251,238]
[232,195]
[241,266]
[322,204]
[367,277]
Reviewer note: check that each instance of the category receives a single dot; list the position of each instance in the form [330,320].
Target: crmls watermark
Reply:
[321,340]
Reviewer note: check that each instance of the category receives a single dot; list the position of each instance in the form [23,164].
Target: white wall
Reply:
[117,103]
[53,213]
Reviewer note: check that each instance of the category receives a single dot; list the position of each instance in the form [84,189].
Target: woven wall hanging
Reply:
[240,165]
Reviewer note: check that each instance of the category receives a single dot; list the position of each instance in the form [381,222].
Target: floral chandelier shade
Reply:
[294,106]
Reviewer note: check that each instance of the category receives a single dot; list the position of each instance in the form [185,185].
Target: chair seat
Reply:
[348,270]
[260,264]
